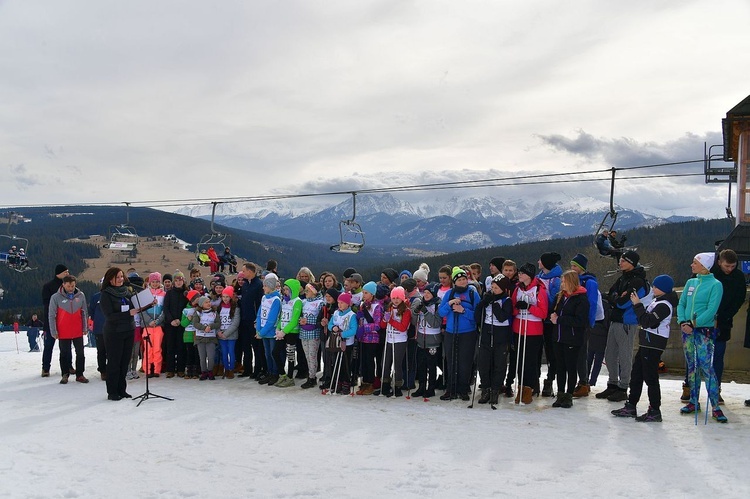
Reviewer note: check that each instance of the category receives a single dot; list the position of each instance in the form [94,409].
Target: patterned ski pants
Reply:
[699,353]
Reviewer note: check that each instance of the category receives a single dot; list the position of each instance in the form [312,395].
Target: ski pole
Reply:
[382,364]
[492,369]
[477,349]
[518,359]
[710,366]
[16,336]
[695,377]
[523,360]
[393,366]
[337,372]
[408,383]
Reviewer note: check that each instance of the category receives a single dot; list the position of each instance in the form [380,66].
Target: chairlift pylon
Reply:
[352,237]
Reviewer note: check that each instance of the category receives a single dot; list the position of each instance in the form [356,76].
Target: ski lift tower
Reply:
[736,131]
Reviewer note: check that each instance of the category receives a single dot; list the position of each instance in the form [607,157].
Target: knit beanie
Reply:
[345,298]
[398,292]
[348,272]
[421,275]
[202,301]
[632,257]
[705,259]
[334,293]
[371,288]
[166,277]
[60,268]
[271,281]
[433,288]
[192,295]
[178,273]
[382,291]
[457,273]
[498,262]
[549,260]
[664,283]
[356,278]
[229,291]
[404,273]
[580,261]
[154,277]
[391,274]
[528,268]
[503,282]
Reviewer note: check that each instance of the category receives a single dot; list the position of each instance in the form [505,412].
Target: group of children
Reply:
[407,333]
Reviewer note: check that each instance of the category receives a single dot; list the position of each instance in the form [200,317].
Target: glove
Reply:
[487,298]
[522,305]
[387,316]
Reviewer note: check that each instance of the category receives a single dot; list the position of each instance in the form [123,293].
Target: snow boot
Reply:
[64,379]
[229,374]
[558,400]
[494,396]
[690,408]
[547,389]
[344,388]
[581,391]
[448,396]
[685,397]
[365,389]
[627,411]
[310,383]
[419,392]
[204,376]
[527,395]
[607,392]
[566,402]
[652,416]
[272,379]
[385,389]
[618,396]
[485,397]
[719,416]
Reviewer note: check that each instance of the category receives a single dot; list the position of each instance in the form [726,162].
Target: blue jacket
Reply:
[466,323]
[269,329]
[588,281]
[619,295]
[96,313]
[551,281]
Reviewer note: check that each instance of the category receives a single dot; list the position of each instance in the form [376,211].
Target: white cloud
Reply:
[169,99]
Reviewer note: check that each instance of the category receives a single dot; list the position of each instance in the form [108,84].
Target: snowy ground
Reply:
[234,438]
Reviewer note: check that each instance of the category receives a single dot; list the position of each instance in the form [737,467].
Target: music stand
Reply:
[147,394]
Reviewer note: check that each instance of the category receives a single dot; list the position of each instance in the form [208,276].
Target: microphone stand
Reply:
[147,394]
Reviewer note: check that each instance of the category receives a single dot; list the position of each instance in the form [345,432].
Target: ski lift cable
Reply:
[415,187]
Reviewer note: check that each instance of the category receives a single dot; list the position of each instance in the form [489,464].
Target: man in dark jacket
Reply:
[623,327]
[97,316]
[733,282]
[48,290]
[252,293]
[33,332]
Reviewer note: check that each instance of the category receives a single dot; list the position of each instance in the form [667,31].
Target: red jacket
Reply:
[68,318]
[530,320]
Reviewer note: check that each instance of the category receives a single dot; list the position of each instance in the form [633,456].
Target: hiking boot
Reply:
[494,396]
[239,368]
[45,374]
[464,396]
[284,382]
[366,389]
[685,397]
[547,389]
[558,400]
[620,395]
[690,408]
[82,379]
[204,376]
[567,401]
[485,396]
[719,416]
[64,379]
[628,411]
[527,395]
[581,391]
[607,392]
[170,375]
[652,416]
[229,374]
[310,383]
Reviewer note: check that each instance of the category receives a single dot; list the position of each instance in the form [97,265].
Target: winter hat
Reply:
[220,278]
[580,261]
[457,273]
[391,274]
[202,301]
[549,260]
[664,283]
[334,293]
[229,291]
[421,275]
[197,280]
[356,277]
[498,262]
[345,298]
[154,277]
[348,272]
[271,281]
[398,292]
[528,268]
[178,273]
[192,295]
[503,282]
[433,288]
[382,291]
[409,284]
[705,259]
[60,268]
[371,288]
[632,257]
[404,273]
[240,274]
[166,277]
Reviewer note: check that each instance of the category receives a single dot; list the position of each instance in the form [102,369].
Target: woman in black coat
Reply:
[570,319]
[118,330]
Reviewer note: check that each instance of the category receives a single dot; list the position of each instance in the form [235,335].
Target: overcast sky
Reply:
[109,101]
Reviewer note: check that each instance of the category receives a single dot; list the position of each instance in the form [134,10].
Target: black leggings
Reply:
[566,358]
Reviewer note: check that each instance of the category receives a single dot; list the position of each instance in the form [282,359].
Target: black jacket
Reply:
[48,290]
[116,321]
[634,279]
[252,294]
[175,302]
[572,318]
[731,300]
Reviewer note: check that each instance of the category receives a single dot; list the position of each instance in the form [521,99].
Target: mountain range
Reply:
[425,228]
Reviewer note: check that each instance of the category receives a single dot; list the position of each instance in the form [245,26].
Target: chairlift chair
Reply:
[123,237]
[351,234]
[218,240]
[15,261]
